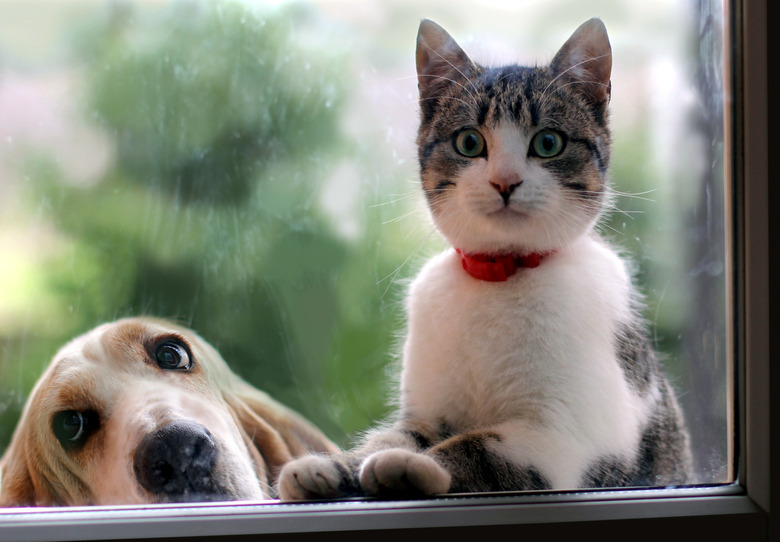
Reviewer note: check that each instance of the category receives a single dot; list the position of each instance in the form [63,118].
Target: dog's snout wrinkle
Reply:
[177,463]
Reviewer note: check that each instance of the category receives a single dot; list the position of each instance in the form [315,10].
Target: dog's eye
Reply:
[72,427]
[172,355]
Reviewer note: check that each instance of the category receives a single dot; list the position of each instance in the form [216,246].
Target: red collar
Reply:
[498,268]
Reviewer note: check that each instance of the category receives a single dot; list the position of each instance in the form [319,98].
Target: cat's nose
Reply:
[505,187]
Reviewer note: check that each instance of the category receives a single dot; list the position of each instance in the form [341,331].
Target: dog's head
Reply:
[143,411]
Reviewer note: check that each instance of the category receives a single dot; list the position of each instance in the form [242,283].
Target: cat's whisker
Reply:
[634,195]
[627,214]
[417,228]
[465,226]
[443,219]
[606,204]
[401,217]
[610,207]
[611,204]
[399,198]
[393,276]
[605,225]
[559,235]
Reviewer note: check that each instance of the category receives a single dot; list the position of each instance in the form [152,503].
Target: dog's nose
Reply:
[177,462]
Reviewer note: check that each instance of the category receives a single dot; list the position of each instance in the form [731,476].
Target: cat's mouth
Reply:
[509,212]
[495,210]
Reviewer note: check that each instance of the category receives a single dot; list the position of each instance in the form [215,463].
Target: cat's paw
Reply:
[398,472]
[309,477]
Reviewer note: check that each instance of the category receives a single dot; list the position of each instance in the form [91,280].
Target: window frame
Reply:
[741,508]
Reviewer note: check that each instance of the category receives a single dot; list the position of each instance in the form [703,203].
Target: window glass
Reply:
[249,169]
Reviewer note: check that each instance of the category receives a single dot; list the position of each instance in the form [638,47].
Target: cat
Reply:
[526,365]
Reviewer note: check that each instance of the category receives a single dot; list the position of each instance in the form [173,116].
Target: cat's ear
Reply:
[585,61]
[440,61]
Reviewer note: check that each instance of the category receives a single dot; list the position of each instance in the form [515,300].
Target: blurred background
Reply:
[248,169]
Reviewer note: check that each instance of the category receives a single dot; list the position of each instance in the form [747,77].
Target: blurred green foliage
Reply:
[225,128]
[202,101]
[226,121]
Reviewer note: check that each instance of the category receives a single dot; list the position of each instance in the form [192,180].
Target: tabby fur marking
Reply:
[544,380]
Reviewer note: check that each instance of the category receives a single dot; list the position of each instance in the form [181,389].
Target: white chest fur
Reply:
[538,348]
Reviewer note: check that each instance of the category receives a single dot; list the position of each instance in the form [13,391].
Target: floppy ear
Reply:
[30,473]
[17,485]
[275,431]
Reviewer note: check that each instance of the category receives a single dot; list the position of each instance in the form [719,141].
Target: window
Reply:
[68,186]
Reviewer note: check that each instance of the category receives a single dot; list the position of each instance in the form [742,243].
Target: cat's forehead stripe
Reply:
[510,93]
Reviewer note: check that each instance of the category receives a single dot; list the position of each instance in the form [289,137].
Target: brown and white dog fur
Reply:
[144,411]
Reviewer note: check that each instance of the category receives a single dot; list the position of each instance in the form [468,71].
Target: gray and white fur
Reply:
[546,380]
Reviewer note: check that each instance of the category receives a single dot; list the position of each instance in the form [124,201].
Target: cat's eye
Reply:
[470,143]
[547,143]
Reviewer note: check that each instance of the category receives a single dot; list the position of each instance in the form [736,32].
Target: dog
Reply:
[144,411]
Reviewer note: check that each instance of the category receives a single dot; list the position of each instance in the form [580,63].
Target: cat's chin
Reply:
[502,247]
[507,216]
[512,229]
[513,237]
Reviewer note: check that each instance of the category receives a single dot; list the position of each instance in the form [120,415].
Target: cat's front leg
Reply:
[488,460]
[317,477]
[333,476]
[399,472]
[474,461]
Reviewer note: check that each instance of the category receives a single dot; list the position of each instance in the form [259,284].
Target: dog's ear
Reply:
[17,486]
[278,433]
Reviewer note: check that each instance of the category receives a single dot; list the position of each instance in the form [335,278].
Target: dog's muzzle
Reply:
[177,464]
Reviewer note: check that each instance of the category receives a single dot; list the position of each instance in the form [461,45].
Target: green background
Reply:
[259,185]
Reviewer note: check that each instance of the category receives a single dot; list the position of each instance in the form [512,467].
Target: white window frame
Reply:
[741,509]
